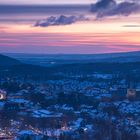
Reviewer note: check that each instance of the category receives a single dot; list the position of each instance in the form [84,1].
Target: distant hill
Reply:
[13,67]
[8,61]
[60,71]
[120,57]
[57,59]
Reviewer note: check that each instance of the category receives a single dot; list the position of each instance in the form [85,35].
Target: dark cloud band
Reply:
[132,26]
[60,20]
[105,8]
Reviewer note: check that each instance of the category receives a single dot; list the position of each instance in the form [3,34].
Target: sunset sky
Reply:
[43,26]
[45,1]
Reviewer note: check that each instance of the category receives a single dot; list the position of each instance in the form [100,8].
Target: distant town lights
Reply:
[2,94]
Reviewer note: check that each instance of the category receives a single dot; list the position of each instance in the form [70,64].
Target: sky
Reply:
[45,1]
[100,26]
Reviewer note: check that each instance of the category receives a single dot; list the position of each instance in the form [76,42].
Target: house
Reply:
[131,93]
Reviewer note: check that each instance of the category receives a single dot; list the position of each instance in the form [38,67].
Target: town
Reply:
[69,69]
[98,106]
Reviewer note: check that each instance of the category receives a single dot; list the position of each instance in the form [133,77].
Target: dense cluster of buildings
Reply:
[70,109]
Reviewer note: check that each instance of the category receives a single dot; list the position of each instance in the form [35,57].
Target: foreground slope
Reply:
[8,61]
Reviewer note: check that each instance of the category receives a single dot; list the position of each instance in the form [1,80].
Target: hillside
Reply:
[8,61]
[59,59]
[64,67]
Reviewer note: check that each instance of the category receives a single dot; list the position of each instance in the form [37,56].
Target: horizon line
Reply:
[69,53]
